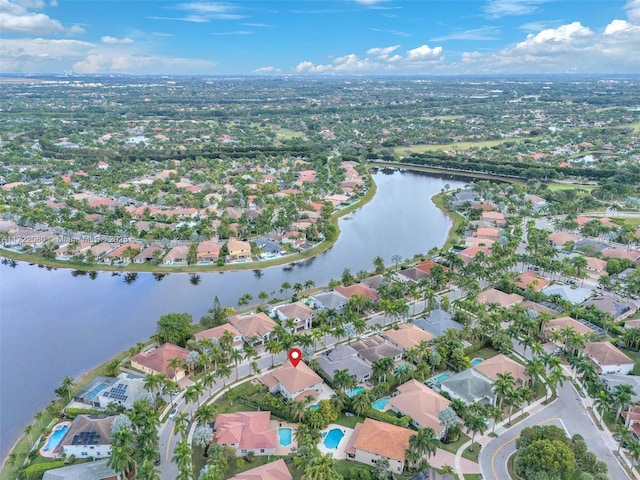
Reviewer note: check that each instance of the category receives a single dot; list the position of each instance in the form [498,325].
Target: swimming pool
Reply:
[96,390]
[442,377]
[284,437]
[315,406]
[332,438]
[353,392]
[56,437]
[476,361]
[381,403]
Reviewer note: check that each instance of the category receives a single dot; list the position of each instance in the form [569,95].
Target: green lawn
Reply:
[484,353]
[554,187]
[472,454]
[456,219]
[421,148]
[454,446]
[349,422]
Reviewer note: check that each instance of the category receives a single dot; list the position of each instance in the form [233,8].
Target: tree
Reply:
[447,417]
[504,384]
[174,328]
[65,388]
[623,433]
[622,396]
[424,443]
[475,423]
[545,459]
[182,457]
[202,436]
[321,467]
[378,264]
[361,403]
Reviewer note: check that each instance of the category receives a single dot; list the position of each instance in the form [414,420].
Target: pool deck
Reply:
[280,450]
[338,452]
[50,454]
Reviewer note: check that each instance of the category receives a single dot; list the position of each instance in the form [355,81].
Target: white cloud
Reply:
[53,3]
[504,8]
[633,11]
[382,52]
[269,69]
[397,33]
[370,2]
[235,32]
[482,33]
[564,38]
[114,41]
[15,17]
[202,12]
[423,52]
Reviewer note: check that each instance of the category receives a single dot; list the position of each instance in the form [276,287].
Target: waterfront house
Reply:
[608,358]
[207,251]
[125,390]
[344,357]
[219,331]
[148,254]
[238,250]
[255,328]
[271,471]
[88,436]
[97,470]
[246,432]
[294,383]
[299,312]
[157,361]
[331,301]
[177,255]
[358,289]
[421,403]
[372,441]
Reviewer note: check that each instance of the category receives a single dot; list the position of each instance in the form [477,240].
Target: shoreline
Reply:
[159,269]
[89,375]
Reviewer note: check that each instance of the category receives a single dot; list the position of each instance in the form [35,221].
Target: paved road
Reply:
[567,411]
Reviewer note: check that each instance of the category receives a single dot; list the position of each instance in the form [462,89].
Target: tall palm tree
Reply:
[297,410]
[475,423]
[624,433]
[634,450]
[321,467]
[622,396]
[182,457]
[535,369]
[342,380]
[174,364]
[361,403]
[235,356]
[181,421]
[224,372]
[424,443]
[205,413]
[504,384]
[274,347]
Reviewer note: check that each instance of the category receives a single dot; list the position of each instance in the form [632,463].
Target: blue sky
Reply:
[320,37]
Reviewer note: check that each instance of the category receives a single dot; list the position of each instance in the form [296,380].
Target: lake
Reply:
[54,324]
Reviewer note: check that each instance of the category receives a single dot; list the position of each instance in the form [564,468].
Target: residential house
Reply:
[530,278]
[358,289]
[158,359]
[246,432]
[123,253]
[469,254]
[412,275]
[632,420]
[437,322]
[97,470]
[560,239]
[502,299]
[561,323]
[299,312]
[572,295]
[219,331]
[611,381]
[177,256]
[470,387]
[537,202]
[372,441]
[271,471]
[407,336]
[344,357]
[148,254]
[596,267]
[127,389]
[612,305]
[238,250]
[608,358]
[495,218]
[421,403]
[633,255]
[375,347]
[255,328]
[632,323]
[207,251]
[294,383]
[491,367]
[88,436]
[331,301]
[427,265]
[374,281]
[487,233]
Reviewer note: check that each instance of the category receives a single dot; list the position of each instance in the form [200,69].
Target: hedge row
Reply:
[37,470]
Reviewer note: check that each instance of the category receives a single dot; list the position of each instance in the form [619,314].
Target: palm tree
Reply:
[634,450]
[378,264]
[153,383]
[361,403]
[174,364]
[274,347]
[235,356]
[181,421]
[224,372]
[424,443]
[513,399]
[623,433]
[321,467]
[396,259]
[297,409]
[496,414]
[622,396]
[191,394]
[535,369]
[182,457]
[122,454]
[381,369]
[504,384]
[342,380]
[205,413]
[475,423]
[28,429]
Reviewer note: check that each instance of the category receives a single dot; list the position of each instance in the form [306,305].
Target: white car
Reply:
[173,413]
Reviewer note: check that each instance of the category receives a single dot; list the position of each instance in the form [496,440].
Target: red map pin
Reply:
[295,355]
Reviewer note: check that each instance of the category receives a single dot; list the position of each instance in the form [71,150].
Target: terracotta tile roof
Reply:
[427,265]
[408,335]
[158,359]
[293,378]
[208,247]
[563,322]
[560,238]
[530,277]
[253,325]
[381,439]
[217,332]
[295,310]
[271,471]
[492,295]
[358,288]
[606,353]
[632,255]
[248,430]
[421,403]
[491,367]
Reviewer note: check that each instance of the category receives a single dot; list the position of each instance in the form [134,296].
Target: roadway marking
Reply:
[166,453]
[495,454]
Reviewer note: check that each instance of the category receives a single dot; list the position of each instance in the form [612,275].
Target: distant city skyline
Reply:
[320,37]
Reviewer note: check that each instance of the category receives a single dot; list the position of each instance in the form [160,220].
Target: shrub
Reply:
[37,470]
